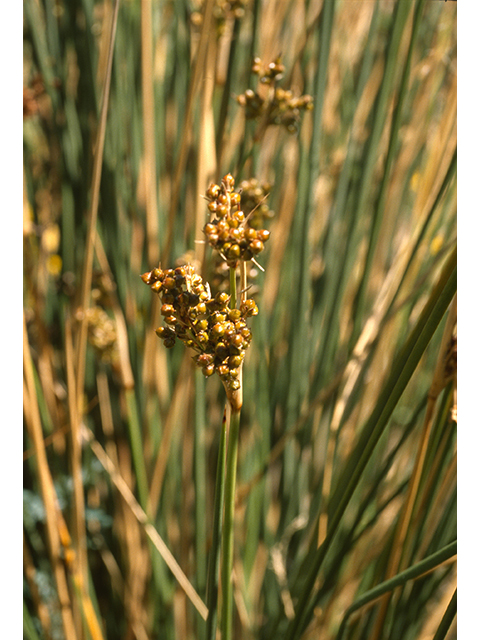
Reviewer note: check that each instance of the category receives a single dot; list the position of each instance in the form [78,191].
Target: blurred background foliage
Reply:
[347,473]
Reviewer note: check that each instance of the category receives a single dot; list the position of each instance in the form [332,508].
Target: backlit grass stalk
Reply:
[228,530]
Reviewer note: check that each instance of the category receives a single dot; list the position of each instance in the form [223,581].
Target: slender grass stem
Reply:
[214,561]
[227,555]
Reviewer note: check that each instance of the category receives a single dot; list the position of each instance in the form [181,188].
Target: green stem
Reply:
[227,557]
[212,579]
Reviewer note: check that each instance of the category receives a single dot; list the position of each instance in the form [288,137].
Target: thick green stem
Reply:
[227,555]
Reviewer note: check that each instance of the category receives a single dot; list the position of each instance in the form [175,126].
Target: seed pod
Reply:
[234,314]
[204,359]
[223,370]
[167,310]
[147,277]
[201,308]
[168,298]
[218,330]
[233,252]
[256,247]
[221,351]
[169,342]
[208,370]
[163,332]
[263,234]
[229,182]
[237,341]
[202,337]
[213,191]
[169,283]
[222,298]
[235,361]
[201,325]
[156,287]
[210,229]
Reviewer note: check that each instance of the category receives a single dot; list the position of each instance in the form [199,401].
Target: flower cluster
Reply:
[230,232]
[223,11]
[217,333]
[254,202]
[102,334]
[280,106]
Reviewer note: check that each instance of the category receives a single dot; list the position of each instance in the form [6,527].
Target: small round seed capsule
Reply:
[218,317]
[234,314]
[169,283]
[263,234]
[250,233]
[221,351]
[218,330]
[201,308]
[212,206]
[202,337]
[235,361]
[171,320]
[239,216]
[222,298]
[223,370]
[210,229]
[234,384]
[256,247]
[168,298]
[201,325]
[167,310]
[233,252]
[169,342]
[163,332]
[212,191]
[237,341]
[235,198]
[157,273]
[229,182]
[204,359]
[247,334]
[222,210]
[147,277]
[156,287]
[246,305]
[208,370]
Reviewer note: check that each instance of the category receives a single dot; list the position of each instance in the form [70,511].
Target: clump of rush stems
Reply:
[215,328]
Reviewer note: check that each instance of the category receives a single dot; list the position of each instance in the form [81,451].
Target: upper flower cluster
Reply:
[280,106]
[229,231]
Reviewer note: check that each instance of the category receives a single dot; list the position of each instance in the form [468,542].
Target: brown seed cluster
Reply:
[217,333]
[254,202]
[223,11]
[102,334]
[280,106]
[229,231]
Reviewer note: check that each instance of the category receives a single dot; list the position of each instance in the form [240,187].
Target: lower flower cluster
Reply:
[216,332]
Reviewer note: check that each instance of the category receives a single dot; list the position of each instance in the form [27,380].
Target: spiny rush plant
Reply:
[265,448]
[215,328]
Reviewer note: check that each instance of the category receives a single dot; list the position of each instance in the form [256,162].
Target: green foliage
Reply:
[347,443]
